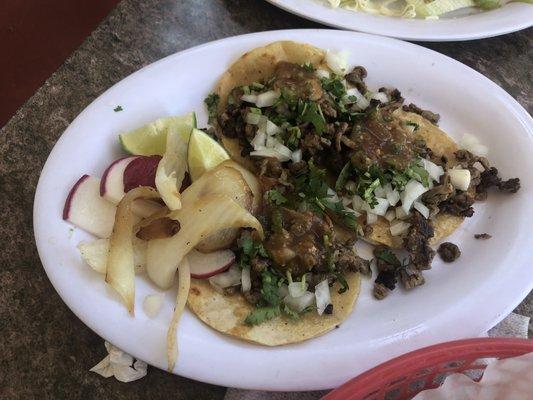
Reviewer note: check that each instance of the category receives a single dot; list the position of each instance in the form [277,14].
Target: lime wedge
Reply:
[151,139]
[204,153]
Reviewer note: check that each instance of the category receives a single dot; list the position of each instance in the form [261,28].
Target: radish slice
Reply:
[141,172]
[206,265]
[112,183]
[323,297]
[85,208]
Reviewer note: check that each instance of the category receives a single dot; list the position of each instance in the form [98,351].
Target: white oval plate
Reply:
[459,300]
[467,24]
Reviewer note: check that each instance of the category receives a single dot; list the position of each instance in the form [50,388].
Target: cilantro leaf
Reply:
[334,86]
[388,256]
[342,280]
[211,102]
[118,109]
[290,312]
[262,314]
[312,113]
[343,177]
[274,196]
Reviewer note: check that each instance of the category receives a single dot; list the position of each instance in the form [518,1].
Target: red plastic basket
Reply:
[404,377]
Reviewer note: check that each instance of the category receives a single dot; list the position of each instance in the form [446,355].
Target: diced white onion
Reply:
[413,190]
[421,208]
[351,186]
[379,209]
[283,150]
[249,98]
[337,61]
[460,178]
[479,150]
[357,203]
[332,195]
[322,295]
[272,128]
[410,128]
[296,289]
[253,118]
[399,228]
[322,73]
[355,213]
[393,196]
[379,191]
[361,101]
[380,96]
[231,277]
[271,141]
[267,99]
[434,170]
[271,153]
[346,201]
[400,213]
[299,304]
[296,156]
[371,218]
[259,141]
[390,215]
[152,304]
[246,282]
[473,145]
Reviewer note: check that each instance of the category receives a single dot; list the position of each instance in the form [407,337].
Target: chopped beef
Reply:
[459,205]
[483,236]
[380,291]
[311,143]
[434,197]
[259,264]
[298,168]
[510,185]
[430,116]
[340,130]
[347,260]
[387,279]
[417,241]
[449,252]
[329,309]
[327,108]
[410,277]
[395,95]
[467,159]
[356,78]
[490,178]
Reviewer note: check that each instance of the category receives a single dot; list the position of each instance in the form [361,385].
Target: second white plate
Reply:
[476,25]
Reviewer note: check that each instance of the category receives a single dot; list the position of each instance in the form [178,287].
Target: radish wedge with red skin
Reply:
[206,265]
[87,210]
[141,172]
[112,183]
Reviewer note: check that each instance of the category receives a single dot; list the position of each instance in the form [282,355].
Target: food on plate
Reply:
[432,9]
[321,141]
[449,252]
[258,215]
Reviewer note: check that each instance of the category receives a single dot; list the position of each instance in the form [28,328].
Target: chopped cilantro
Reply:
[257,86]
[312,113]
[368,194]
[290,312]
[342,280]
[411,123]
[118,108]
[211,102]
[262,314]
[308,67]
[388,256]
[276,221]
[343,177]
[274,196]
[293,137]
[334,85]
[255,110]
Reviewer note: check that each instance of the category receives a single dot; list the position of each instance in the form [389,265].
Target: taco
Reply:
[336,162]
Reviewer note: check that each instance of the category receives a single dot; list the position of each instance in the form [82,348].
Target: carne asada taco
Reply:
[327,148]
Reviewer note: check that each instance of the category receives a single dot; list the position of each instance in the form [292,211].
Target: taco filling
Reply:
[337,161]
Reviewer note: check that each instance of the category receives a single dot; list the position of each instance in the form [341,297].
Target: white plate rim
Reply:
[233,380]
[444,30]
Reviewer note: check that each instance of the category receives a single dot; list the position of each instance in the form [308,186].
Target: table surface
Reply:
[46,350]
